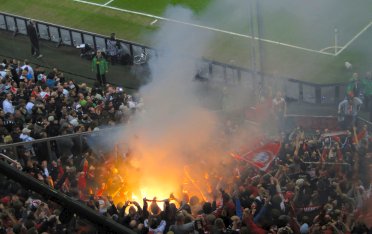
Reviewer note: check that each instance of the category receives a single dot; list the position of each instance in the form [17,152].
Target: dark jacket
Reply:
[32,33]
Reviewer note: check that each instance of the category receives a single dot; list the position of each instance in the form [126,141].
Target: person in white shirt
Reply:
[7,104]
[45,93]
[348,110]
[29,68]
[44,167]
[30,104]
[25,137]
[2,72]
[63,90]
[279,110]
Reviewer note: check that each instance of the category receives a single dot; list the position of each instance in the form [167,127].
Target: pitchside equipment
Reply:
[141,58]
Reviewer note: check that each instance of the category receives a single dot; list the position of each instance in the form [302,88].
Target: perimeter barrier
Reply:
[208,70]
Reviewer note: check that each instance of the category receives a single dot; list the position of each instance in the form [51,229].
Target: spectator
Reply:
[348,110]
[2,72]
[30,104]
[25,137]
[354,87]
[180,227]
[7,104]
[367,83]
[14,66]
[60,77]
[9,122]
[279,110]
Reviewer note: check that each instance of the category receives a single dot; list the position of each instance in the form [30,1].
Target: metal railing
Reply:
[311,122]
[65,145]
[207,69]
[69,205]
[363,121]
[62,35]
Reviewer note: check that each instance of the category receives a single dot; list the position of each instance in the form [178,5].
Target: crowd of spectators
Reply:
[318,183]
[37,103]
[45,104]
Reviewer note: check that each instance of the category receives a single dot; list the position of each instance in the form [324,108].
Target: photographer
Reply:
[348,110]
[118,98]
[113,49]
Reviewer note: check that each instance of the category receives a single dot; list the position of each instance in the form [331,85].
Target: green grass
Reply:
[303,24]
[157,8]
[98,1]
[311,23]
[293,22]
[89,18]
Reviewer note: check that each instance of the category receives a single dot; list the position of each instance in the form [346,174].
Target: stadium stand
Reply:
[319,182]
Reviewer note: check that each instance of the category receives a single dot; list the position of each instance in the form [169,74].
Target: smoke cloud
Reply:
[174,133]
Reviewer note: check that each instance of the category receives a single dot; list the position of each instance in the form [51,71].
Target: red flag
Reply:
[261,157]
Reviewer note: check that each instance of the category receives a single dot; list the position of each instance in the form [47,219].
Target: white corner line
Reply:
[354,38]
[108,3]
[204,27]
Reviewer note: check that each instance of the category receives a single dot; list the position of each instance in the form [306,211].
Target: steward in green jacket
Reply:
[100,67]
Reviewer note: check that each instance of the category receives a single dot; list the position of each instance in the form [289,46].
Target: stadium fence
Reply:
[209,70]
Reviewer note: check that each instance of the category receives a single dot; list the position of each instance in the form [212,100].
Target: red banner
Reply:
[261,157]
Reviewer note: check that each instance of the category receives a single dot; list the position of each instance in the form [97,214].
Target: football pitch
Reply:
[301,25]
[306,40]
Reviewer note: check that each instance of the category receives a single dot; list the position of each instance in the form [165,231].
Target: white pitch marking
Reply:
[153,22]
[205,27]
[330,47]
[108,2]
[354,38]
